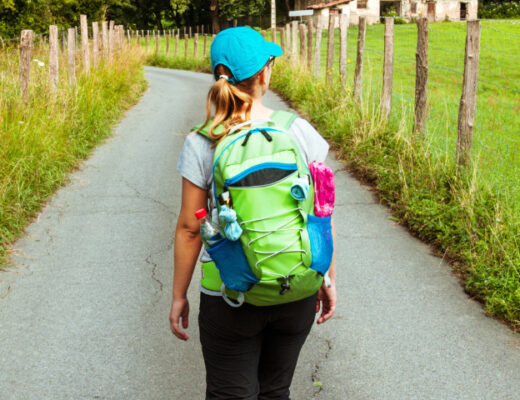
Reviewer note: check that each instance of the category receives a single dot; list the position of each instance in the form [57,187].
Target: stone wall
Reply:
[447,8]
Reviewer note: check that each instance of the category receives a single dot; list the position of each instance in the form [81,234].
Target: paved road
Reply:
[85,314]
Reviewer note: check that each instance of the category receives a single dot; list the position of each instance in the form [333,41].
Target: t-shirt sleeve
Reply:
[312,144]
[195,160]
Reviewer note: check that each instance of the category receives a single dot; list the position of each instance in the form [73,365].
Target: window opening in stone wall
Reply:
[463,11]
[362,3]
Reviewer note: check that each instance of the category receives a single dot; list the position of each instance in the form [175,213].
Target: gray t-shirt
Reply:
[196,158]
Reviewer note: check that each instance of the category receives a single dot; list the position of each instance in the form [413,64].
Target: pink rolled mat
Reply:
[324,189]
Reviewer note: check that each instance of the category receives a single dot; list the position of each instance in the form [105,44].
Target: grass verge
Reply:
[44,140]
[466,221]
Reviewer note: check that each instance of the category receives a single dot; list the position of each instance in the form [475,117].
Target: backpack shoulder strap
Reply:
[284,119]
[205,131]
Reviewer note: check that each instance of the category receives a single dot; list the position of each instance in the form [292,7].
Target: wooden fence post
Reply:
[190,32]
[110,44]
[205,43]
[196,46]
[282,39]
[388,70]
[303,42]
[63,42]
[294,47]
[317,49]
[176,45]
[121,38]
[156,44]
[147,39]
[85,53]
[358,75]
[468,100]
[185,46]
[288,38]
[330,48]
[167,36]
[138,39]
[343,35]
[310,33]
[104,33]
[71,56]
[129,36]
[95,43]
[26,46]
[53,57]
[421,75]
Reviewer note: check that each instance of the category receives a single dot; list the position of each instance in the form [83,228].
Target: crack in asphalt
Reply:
[315,374]
[154,272]
[155,266]
[142,196]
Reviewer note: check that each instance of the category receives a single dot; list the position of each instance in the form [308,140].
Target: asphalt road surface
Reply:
[84,315]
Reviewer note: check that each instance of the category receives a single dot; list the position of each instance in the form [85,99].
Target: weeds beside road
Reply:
[44,140]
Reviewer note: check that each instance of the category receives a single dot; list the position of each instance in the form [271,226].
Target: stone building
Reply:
[435,10]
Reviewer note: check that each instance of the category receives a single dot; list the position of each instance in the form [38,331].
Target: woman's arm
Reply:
[186,251]
[327,295]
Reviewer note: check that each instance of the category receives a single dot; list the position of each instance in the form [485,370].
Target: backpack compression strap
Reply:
[282,119]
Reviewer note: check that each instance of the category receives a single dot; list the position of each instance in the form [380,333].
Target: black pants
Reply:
[251,352]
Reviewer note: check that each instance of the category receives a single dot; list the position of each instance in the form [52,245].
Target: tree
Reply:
[214,16]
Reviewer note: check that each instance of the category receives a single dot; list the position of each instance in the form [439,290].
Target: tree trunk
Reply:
[214,16]
[287,8]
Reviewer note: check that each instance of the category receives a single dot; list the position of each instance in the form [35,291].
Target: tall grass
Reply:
[461,213]
[44,140]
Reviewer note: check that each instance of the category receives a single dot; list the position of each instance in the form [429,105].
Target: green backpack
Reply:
[284,250]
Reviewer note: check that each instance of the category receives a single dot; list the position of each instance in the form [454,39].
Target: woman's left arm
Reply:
[186,251]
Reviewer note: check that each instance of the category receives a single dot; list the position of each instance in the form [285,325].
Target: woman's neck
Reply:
[258,110]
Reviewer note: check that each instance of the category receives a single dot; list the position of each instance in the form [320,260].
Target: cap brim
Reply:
[274,49]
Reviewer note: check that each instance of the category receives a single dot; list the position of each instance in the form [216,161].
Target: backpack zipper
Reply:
[258,167]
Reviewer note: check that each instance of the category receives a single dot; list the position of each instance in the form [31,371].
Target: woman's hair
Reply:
[232,102]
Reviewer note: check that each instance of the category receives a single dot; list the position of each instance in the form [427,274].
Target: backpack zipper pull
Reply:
[244,143]
[286,285]
[267,136]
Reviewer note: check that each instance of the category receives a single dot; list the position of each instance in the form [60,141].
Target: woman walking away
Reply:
[249,196]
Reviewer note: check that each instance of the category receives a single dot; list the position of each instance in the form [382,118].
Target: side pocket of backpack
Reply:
[322,245]
[231,262]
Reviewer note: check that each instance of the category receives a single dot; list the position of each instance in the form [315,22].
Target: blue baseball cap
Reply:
[243,50]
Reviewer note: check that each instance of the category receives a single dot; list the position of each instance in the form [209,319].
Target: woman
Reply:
[249,352]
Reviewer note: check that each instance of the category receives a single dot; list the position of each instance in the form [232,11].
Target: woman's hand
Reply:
[180,310]
[326,301]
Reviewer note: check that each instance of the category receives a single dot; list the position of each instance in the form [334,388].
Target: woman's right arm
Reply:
[187,246]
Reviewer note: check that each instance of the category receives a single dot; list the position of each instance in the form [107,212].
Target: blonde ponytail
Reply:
[232,102]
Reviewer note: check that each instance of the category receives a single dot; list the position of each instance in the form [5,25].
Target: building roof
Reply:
[327,5]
